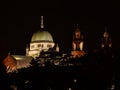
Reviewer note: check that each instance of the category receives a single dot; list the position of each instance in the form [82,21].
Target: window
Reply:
[39,45]
[49,45]
[32,46]
[42,45]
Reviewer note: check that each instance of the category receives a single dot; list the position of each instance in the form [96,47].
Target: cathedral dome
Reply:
[42,36]
[41,41]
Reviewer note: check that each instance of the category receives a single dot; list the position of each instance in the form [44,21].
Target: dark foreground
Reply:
[97,71]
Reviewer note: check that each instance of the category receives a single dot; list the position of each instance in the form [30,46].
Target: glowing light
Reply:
[81,46]
[113,87]
[75,80]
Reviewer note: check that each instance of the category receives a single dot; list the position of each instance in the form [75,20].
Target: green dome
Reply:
[43,36]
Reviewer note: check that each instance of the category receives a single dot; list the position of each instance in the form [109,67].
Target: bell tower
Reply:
[106,40]
[77,43]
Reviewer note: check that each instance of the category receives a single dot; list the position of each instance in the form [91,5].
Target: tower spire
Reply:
[27,50]
[106,29]
[8,53]
[77,27]
[57,47]
[42,25]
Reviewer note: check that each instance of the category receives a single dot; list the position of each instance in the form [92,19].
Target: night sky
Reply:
[22,19]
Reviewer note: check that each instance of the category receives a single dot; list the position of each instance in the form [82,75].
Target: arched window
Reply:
[42,45]
[39,45]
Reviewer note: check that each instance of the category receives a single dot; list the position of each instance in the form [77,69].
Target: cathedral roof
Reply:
[42,35]
[22,57]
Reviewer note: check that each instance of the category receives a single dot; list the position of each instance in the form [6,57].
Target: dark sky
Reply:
[22,19]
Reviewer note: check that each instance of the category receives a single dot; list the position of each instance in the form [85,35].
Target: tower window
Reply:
[77,34]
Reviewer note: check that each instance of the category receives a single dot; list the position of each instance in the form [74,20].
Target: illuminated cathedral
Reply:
[41,40]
